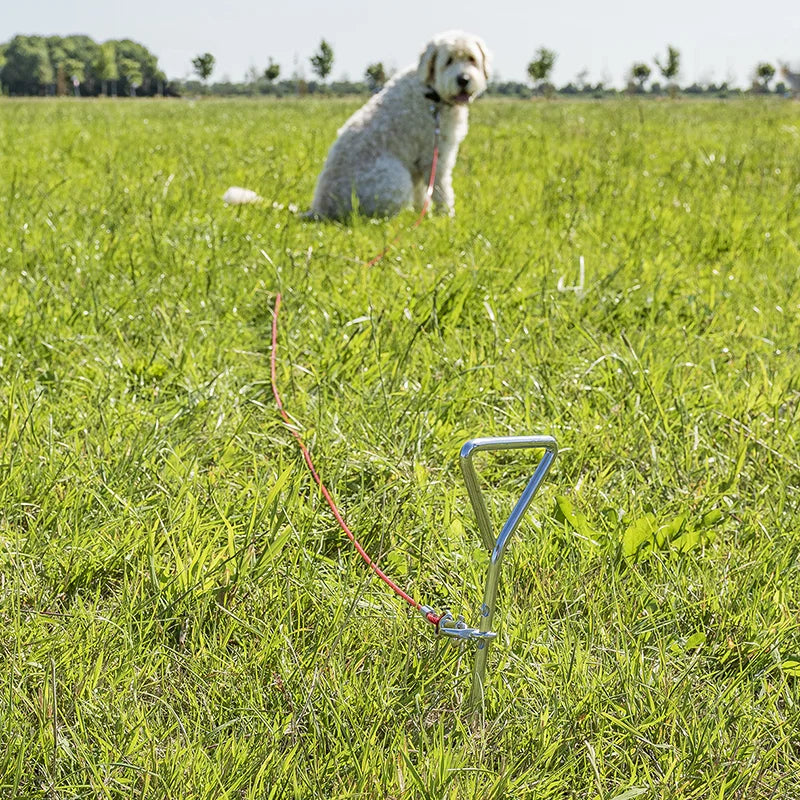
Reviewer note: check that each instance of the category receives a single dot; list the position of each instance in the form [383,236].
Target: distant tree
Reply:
[322,60]
[272,71]
[45,73]
[83,50]
[150,77]
[765,72]
[106,67]
[27,69]
[640,73]
[75,73]
[670,68]
[539,69]
[131,70]
[375,75]
[57,56]
[36,64]
[204,65]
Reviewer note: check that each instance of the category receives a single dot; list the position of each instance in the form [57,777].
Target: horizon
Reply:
[719,44]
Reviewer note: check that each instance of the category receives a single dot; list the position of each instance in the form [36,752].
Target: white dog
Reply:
[383,154]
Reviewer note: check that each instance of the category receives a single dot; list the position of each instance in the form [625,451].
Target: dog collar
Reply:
[437,101]
[433,95]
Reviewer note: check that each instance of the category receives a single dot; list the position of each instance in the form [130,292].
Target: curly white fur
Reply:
[382,156]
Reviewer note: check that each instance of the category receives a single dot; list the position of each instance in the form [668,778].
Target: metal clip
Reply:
[458,629]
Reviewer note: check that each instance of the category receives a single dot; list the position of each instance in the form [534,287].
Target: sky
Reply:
[718,39]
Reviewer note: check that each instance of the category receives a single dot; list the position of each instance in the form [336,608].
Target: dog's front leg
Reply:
[443,197]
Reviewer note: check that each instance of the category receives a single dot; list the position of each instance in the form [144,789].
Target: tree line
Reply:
[59,65]
[42,65]
[538,70]
[639,74]
[265,81]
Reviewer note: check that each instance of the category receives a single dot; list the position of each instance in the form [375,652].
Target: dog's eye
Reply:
[449,61]
[472,60]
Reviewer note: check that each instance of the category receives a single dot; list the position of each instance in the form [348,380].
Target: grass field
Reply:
[180,616]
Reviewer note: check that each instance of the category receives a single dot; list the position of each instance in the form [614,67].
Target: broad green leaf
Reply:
[629,794]
[637,535]
[691,540]
[666,533]
[574,518]
[695,640]
[711,518]
[791,666]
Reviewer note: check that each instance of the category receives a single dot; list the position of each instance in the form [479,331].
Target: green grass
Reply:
[180,616]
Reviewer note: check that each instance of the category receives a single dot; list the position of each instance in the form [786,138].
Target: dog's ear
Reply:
[427,65]
[486,57]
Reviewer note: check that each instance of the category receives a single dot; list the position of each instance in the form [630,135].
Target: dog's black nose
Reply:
[462,81]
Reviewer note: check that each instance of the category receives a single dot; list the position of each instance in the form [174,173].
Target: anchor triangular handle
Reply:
[546,443]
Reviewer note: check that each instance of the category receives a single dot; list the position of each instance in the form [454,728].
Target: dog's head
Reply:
[456,66]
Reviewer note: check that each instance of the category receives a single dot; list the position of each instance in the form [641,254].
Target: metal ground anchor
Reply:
[483,635]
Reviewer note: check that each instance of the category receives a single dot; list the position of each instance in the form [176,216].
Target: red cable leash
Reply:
[426,611]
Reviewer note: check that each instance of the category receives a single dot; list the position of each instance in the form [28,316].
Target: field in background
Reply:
[180,616]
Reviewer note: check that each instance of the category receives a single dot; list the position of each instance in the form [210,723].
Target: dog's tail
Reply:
[236,196]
